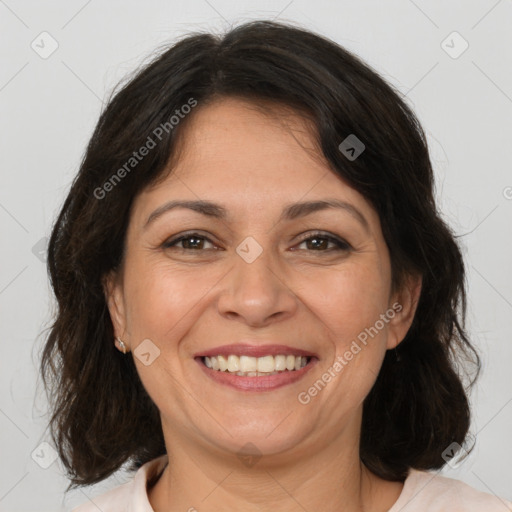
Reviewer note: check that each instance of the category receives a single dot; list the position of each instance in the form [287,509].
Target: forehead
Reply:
[242,137]
[250,157]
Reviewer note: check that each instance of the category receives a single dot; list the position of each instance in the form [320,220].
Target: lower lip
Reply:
[265,383]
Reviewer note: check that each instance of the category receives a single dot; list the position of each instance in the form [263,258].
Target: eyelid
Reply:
[171,241]
[340,243]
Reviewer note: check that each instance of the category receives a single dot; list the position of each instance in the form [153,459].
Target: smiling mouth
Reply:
[247,366]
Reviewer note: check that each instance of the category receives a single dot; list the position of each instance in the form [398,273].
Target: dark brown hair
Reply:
[102,416]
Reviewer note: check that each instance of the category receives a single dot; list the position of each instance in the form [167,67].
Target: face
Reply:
[315,281]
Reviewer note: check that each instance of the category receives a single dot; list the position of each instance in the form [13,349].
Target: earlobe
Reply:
[404,303]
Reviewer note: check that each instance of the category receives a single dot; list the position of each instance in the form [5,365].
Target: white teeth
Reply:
[266,364]
[248,364]
[223,364]
[255,366]
[280,362]
[233,363]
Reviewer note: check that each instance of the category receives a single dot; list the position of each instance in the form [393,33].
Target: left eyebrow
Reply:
[296,210]
[290,211]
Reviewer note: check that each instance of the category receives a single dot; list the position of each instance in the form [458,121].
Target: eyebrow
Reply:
[290,211]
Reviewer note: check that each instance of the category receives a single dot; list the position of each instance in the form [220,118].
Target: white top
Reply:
[423,491]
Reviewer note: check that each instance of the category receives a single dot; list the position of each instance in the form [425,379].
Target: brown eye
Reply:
[191,241]
[320,243]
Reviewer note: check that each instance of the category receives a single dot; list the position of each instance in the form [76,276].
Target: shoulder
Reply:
[427,491]
[130,496]
[114,500]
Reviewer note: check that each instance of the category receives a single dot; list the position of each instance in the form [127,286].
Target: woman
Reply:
[259,307]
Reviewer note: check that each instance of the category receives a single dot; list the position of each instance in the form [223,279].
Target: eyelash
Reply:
[341,245]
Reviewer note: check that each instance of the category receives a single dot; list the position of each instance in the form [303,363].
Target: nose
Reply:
[257,293]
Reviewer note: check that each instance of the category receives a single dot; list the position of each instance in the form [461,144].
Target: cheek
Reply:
[352,299]
[164,297]
[359,299]
[157,300]
[149,309]
[161,304]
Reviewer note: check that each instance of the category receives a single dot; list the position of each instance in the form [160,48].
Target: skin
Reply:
[188,298]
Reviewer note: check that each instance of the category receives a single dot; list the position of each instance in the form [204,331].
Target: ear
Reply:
[404,304]
[114,296]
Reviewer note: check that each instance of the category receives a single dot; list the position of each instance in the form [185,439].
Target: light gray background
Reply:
[50,106]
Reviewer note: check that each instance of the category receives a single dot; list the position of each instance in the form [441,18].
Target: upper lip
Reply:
[246,349]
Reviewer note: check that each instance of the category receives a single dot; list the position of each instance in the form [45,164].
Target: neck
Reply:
[330,479]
